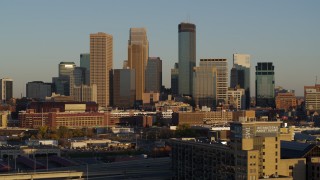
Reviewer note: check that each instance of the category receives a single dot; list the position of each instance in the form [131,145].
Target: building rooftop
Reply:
[293,149]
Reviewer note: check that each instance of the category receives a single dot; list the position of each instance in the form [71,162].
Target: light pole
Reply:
[87,171]
[47,161]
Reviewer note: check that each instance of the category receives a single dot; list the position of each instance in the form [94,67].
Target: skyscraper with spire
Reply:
[138,54]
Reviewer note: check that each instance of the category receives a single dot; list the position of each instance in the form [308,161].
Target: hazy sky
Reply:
[36,35]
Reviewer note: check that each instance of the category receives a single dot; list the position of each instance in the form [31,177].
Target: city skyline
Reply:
[36,36]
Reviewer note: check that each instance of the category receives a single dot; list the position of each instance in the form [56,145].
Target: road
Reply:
[158,168]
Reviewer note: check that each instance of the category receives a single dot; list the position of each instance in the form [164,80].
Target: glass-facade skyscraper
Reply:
[240,74]
[265,84]
[187,57]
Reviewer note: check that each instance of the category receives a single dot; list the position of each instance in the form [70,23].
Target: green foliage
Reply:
[184,130]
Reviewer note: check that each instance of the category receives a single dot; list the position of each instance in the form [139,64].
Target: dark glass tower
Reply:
[265,84]
[240,74]
[187,57]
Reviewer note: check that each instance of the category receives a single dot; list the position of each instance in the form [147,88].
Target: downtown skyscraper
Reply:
[265,84]
[240,75]
[138,54]
[101,61]
[187,57]
[221,66]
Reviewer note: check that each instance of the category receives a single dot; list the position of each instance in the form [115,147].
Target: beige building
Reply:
[85,93]
[256,146]
[138,54]
[4,115]
[101,59]
[312,97]
[254,153]
[236,98]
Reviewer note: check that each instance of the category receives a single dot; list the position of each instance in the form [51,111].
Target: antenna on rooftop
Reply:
[316,80]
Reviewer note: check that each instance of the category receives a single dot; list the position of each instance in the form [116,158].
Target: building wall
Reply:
[38,90]
[192,160]
[313,168]
[293,167]
[71,120]
[312,97]
[205,86]
[187,57]
[101,63]
[286,101]
[236,98]
[124,89]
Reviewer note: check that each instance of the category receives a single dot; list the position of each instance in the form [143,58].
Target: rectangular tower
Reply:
[138,54]
[222,77]
[205,85]
[101,59]
[154,74]
[265,84]
[240,74]
[187,57]
[6,89]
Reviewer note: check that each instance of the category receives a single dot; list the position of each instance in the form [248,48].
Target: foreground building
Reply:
[253,153]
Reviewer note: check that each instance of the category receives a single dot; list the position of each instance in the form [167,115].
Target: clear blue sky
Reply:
[36,35]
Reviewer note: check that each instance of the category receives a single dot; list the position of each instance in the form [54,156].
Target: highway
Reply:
[158,168]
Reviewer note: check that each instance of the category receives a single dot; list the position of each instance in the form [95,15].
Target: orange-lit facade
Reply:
[30,119]
[101,59]
[286,101]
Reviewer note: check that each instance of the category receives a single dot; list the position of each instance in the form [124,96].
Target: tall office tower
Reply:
[138,54]
[85,93]
[153,75]
[85,63]
[205,85]
[240,74]
[38,90]
[6,89]
[101,59]
[124,90]
[187,57]
[265,84]
[312,97]
[222,77]
[175,80]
